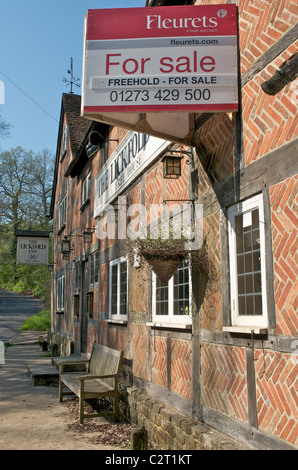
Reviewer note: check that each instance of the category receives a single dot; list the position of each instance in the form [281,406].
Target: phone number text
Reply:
[162,95]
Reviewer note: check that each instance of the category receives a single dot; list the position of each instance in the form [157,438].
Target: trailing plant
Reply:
[165,246]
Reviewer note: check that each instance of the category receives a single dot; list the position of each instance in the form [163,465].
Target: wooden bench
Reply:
[100,380]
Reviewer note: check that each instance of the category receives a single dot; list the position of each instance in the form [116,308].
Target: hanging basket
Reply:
[164,264]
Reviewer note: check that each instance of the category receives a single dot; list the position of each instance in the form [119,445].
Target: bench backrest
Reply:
[104,361]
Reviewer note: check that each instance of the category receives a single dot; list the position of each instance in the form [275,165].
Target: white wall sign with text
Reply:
[135,152]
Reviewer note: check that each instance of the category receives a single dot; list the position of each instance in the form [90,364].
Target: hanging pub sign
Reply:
[146,60]
[32,247]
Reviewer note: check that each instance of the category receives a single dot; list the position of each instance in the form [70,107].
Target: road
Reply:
[14,309]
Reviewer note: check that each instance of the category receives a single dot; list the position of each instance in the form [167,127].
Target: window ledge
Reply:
[61,229]
[120,322]
[181,326]
[257,330]
[84,204]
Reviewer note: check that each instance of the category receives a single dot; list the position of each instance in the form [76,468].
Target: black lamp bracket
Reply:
[189,153]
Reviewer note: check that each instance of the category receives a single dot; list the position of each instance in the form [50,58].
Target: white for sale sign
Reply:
[181,58]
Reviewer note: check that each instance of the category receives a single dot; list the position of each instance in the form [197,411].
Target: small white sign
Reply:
[247,219]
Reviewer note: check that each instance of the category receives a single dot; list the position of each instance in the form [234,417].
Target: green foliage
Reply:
[25,193]
[39,322]
[33,279]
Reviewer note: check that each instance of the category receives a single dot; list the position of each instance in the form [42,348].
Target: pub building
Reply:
[210,354]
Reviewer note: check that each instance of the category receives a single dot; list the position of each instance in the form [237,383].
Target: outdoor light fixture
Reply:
[94,142]
[65,246]
[95,138]
[50,268]
[87,234]
[172,163]
[171,166]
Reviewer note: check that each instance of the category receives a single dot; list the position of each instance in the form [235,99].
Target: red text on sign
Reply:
[182,64]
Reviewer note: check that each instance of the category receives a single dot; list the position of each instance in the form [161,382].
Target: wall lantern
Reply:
[171,166]
[65,246]
[95,139]
[172,163]
[87,234]
[50,268]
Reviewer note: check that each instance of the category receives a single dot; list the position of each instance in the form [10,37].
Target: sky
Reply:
[37,40]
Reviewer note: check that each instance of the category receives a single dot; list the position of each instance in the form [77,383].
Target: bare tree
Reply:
[42,174]
[4,128]
[25,187]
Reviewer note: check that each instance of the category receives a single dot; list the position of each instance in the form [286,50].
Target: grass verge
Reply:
[39,322]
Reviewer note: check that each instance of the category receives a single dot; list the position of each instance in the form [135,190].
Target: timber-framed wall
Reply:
[240,380]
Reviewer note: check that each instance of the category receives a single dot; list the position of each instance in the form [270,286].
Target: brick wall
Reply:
[223,380]
[139,349]
[181,368]
[211,308]
[159,361]
[277,385]
[269,121]
[284,215]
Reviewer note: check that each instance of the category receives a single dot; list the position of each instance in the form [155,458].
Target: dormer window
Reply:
[64,143]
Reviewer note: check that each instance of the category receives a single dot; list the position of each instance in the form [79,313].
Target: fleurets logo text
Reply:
[159,22]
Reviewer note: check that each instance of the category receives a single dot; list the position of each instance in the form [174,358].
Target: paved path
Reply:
[31,417]
[14,309]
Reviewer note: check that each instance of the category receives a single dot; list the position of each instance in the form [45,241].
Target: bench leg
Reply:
[116,407]
[81,399]
[60,390]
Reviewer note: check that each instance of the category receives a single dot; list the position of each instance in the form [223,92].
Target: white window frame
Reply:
[117,262]
[64,143]
[171,319]
[86,189]
[94,268]
[62,212]
[243,207]
[60,293]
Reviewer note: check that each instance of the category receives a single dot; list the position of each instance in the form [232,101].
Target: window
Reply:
[64,143]
[89,304]
[77,276]
[94,267]
[118,289]
[60,293]
[86,189]
[247,263]
[62,212]
[76,305]
[172,303]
